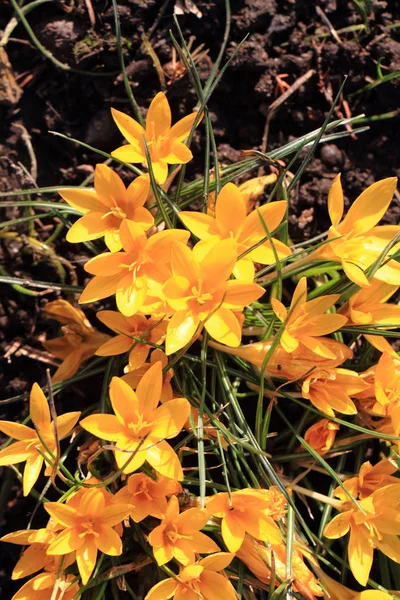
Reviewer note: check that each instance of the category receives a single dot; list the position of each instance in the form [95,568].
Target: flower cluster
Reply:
[183,288]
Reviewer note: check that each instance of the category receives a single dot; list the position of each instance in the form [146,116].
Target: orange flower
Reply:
[42,586]
[28,445]
[164,142]
[78,342]
[138,326]
[256,556]
[136,272]
[321,436]
[200,581]
[107,206]
[178,535]
[305,321]
[356,242]
[199,292]
[337,591]
[87,529]
[378,527]
[35,557]
[369,479]
[231,222]
[330,390]
[147,496]
[246,511]
[140,429]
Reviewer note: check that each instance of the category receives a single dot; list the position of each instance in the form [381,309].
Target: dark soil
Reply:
[285,38]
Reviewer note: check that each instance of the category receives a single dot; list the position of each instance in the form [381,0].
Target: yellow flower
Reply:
[139,326]
[256,556]
[337,591]
[359,242]
[41,588]
[147,496]
[330,390]
[387,389]
[368,307]
[369,479]
[199,293]
[87,529]
[321,436]
[140,429]
[107,206]
[35,557]
[134,273]
[165,143]
[78,342]
[378,528]
[28,445]
[200,581]
[247,511]
[178,535]
[305,321]
[282,364]
[231,222]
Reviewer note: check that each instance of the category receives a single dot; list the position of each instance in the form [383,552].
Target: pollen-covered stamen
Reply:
[139,428]
[173,535]
[115,211]
[199,295]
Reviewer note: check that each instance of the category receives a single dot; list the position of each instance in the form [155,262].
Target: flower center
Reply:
[115,211]
[172,534]
[199,295]
[88,527]
[143,489]
[139,428]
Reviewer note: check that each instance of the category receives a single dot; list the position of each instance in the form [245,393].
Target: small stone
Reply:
[331,156]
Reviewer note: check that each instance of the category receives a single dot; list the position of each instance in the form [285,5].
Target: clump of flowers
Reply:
[216,459]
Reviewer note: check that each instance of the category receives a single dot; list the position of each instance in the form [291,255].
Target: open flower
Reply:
[321,436]
[178,535]
[202,580]
[42,587]
[199,293]
[107,206]
[138,326]
[79,340]
[164,143]
[147,496]
[356,242]
[369,479]
[305,321]
[134,375]
[87,529]
[231,222]
[140,429]
[35,557]
[256,556]
[245,511]
[134,273]
[331,389]
[29,447]
[369,307]
[378,527]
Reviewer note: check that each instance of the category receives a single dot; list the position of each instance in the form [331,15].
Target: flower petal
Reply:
[215,586]
[106,427]
[170,418]
[17,431]
[218,264]
[66,422]
[369,208]
[67,541]
[232,533]
[89,227]
[336,201]
[109,541]
[361,553]
[230,210]
[109,186]
[200,224]
[158,118]
[32,470]
[82,199]
[149,389]
[240,294]
[272,214]
[124,401]
[130,129]
[180,131]
[100,287]
[224,326]
[131,153]
[164,460]
[39,408]
[163,590]
[180,331]
[86,557]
